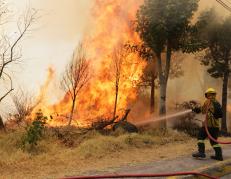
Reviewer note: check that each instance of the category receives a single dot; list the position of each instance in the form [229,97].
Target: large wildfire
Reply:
[112,25]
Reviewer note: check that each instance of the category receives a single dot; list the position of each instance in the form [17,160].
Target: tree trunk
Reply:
[163,85]
[116,99]
[72,111]
[1,124]
[224,101]
[163,77]
[162,108]
[163,89]
[152,97]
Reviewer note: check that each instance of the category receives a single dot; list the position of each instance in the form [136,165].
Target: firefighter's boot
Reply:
[218,154]
[201,151]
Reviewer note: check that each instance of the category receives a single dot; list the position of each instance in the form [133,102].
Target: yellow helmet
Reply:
[210,91]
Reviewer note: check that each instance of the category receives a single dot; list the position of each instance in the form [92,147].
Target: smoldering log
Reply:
[124,124]
[103,123]
[120,123]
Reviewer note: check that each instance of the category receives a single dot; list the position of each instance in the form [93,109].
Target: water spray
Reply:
[153,120]
[167,117]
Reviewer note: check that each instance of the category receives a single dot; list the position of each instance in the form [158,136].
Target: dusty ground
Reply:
[102,154]
[68,163]
[181,164]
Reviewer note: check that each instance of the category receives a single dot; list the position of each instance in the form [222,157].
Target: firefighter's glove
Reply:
[196,110]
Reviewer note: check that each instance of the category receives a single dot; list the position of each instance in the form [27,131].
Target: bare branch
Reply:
[24,105]
[8,52]
[11,87]
[3,12]
[76,76]
[118,58]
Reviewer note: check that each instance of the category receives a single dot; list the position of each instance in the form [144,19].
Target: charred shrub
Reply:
[67,136]
[71,136]
[187,126]
[188,123]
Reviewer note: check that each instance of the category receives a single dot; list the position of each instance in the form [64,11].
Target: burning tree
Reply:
[118,58]
[163,25]
[150,72]
[97,102]
[149,76]
[76,76]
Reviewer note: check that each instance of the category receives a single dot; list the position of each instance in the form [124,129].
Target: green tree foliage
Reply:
[34,132]
[163,25]
[215,33]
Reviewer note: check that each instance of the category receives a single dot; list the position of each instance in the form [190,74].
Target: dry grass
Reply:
[93,151]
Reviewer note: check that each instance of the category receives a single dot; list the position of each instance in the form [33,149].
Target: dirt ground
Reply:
[68,163]
[101,154]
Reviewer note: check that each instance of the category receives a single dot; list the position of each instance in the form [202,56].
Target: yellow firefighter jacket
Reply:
[208,105]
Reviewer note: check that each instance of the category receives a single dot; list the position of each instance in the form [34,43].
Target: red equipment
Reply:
[207,131]
[143,175]
[160,174]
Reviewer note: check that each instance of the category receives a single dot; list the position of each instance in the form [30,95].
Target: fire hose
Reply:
[160,174]
[142,175]
[207,131]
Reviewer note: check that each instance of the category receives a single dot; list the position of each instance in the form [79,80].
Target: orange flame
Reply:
[112,25]
[44,88]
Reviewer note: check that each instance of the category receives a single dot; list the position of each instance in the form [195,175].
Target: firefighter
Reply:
[213,107]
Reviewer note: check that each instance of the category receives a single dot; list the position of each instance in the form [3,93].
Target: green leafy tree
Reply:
[163,25]
[215,33]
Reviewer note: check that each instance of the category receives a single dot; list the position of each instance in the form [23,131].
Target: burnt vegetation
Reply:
[188,123]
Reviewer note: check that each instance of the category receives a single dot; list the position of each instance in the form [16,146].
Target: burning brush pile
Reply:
[114,74]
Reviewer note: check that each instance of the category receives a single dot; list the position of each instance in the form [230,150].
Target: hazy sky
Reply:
[57,32]
[62,24]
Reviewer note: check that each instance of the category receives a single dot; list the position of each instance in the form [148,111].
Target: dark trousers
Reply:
[214,132]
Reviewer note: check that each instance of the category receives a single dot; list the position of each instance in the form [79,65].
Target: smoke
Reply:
[102,24]
[58,29]
[196,79]
[194,82]
[203,5]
